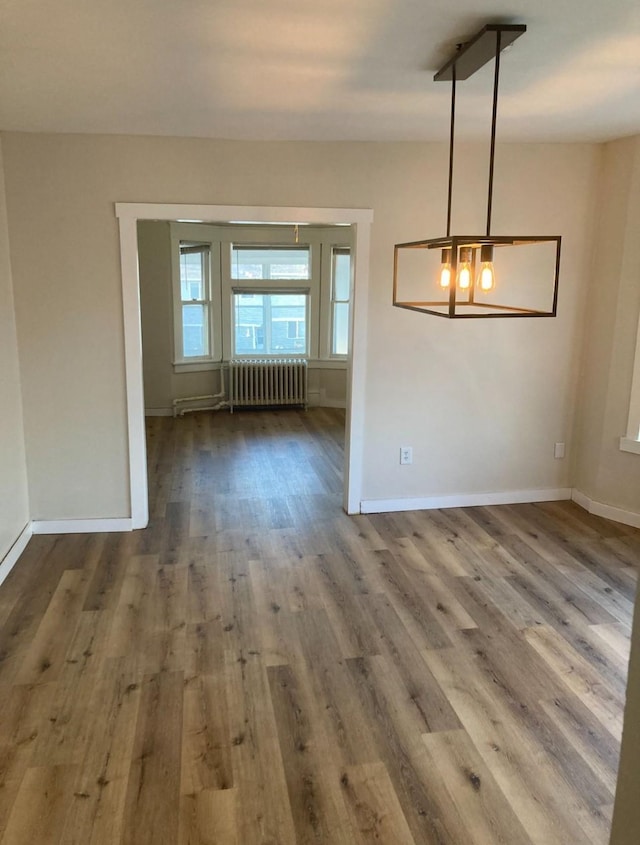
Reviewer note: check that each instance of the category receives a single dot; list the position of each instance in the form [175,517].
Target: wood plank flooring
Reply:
[257,668]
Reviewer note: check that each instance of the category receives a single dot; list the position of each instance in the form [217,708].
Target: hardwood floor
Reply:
[257,668]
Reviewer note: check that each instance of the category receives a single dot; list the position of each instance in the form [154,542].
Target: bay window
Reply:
[235,295]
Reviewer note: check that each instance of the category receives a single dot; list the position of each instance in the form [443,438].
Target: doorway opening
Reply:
[358,219]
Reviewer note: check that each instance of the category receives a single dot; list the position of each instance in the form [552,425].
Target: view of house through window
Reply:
[266,320]
[270,323]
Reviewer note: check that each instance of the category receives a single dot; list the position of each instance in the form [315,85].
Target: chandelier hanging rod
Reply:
[451,140]
[494,116]
[471,56]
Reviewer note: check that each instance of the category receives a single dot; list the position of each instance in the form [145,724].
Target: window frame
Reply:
[221,237]
[236,243]
[310,287]
[631,442]
[262,291]
[204,251]
[195,236]
[333,301]
[326,310]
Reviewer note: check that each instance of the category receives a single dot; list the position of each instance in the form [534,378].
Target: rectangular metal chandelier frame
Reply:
[453,307]
[470,57]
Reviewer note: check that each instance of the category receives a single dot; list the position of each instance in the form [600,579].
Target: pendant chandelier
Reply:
[461,269]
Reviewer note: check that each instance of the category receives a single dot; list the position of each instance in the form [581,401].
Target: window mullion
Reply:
[267,326]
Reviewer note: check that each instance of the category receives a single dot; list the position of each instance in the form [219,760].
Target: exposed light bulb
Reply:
[487,274]
[487,279]
[464,278]
[464,268]
[445,269]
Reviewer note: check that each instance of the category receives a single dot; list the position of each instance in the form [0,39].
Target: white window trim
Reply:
[631,443]
[326,315]
[267,286]
[204,250]
[181,232]
[231,285]
[195,365]
[220,239]
[318,241]
[332,301]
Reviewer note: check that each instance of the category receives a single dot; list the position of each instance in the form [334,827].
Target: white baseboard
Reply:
[327,403]
[465,500]
[628,444]
[580,499]
[158,412]
[607,511]
[11,557]
[80,526]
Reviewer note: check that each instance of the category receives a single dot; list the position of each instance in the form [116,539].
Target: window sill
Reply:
[195,366]
[328,364]
[629,445]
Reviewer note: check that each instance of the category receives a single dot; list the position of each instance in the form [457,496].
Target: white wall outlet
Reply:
[558,450]
[406,455]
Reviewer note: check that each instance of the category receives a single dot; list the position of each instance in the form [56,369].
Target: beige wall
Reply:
[154,259]
[14,507]
[161,384]
[69,317]
[328,388]
[602,471]
[482,403]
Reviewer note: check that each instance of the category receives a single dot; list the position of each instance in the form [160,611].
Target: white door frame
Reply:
[128,215]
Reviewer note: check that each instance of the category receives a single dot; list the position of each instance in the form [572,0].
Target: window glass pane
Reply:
[248,314]
[192,275]
[253,262]
[270,323]
[340,340]
[341,275]
[194,331]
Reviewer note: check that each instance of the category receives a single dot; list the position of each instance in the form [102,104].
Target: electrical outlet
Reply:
[558,450]
[406,455]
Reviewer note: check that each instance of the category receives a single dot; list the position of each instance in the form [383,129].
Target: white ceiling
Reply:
[327,70]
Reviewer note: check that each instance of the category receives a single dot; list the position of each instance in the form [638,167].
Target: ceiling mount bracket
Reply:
[474,54]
